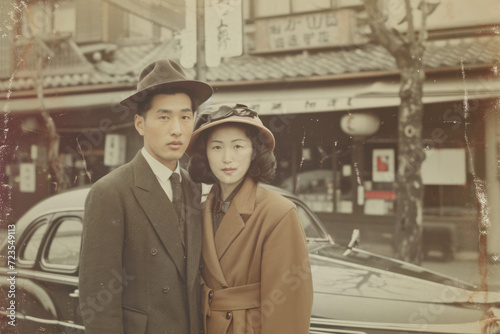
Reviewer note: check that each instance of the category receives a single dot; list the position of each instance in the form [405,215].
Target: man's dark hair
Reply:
[144,105]
[262,168]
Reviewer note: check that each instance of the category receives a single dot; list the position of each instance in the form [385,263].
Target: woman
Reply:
[256,274]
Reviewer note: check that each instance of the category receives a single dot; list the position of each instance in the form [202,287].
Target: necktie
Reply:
[177,201]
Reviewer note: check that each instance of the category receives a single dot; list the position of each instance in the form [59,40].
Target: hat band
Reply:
[223,112]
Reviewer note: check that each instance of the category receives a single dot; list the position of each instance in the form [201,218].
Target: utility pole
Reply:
[201,64]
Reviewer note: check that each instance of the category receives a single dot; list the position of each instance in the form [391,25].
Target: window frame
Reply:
[326,236]
[56,222]
[26,236]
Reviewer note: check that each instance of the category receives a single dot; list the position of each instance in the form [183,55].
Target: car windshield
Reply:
[312,230]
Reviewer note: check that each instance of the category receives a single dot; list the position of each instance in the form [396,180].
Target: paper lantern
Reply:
[360,124]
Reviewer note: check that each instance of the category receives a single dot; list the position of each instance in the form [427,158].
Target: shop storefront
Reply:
[350,181]
[91,139]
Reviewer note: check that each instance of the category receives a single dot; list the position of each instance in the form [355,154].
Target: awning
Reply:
[292,100]
[356,97]
[72,102]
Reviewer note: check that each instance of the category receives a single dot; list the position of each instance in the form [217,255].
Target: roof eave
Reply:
[248,83]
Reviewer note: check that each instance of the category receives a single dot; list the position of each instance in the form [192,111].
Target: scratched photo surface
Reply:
[387,125]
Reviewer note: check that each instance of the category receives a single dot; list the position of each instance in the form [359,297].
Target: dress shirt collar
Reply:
[161,171]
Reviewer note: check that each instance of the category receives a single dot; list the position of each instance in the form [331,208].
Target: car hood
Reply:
[366,287]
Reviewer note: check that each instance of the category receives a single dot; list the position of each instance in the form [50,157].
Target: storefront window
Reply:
[334,173]
[312,177]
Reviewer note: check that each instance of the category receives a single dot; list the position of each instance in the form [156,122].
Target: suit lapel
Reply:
[159,210]
[234,220]
[192,197]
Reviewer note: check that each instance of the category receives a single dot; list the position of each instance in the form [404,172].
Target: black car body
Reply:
[355,291]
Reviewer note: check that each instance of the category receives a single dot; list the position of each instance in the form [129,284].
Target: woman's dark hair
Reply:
[262,168]
[144,105]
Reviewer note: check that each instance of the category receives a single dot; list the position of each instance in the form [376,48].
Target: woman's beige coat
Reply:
[256,270]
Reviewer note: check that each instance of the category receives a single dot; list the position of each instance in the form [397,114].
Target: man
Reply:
[141,246]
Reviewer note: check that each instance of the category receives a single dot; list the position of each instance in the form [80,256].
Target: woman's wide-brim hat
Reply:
[224,114]
[163,74]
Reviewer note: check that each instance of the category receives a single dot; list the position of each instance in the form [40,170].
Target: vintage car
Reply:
[355,291]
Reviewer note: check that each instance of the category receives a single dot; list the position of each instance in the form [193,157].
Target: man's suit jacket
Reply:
[134,274]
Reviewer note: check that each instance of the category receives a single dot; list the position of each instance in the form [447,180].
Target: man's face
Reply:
[167,127]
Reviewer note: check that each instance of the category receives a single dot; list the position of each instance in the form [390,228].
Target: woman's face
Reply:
[229,152]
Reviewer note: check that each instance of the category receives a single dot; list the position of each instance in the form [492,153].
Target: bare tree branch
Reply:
[411,25]
[391,39]
[423,29]
[54,138]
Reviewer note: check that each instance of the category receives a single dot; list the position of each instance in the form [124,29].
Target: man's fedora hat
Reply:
[166,73]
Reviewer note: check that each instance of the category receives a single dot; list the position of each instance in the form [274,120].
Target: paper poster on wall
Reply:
[383,165]
[27,178]
[445,166]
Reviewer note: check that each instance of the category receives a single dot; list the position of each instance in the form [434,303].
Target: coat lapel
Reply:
[159,210]
[210,257]
[234,220]
[192,197]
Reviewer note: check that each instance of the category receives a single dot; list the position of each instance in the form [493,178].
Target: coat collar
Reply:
[159,210]
[233,222]
[244,202]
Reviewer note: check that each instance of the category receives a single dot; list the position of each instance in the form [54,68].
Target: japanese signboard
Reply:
[114,150]
[223,30]
[187,37]
[324,29]
[27,178]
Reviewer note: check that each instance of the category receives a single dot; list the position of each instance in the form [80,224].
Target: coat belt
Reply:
[242,297]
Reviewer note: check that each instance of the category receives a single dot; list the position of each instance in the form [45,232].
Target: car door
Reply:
[48,275]
[58,275]
[29,298]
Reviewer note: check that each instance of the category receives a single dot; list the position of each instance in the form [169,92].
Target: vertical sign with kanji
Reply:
[187,37]
[114,150]
[27,178]
[223,30]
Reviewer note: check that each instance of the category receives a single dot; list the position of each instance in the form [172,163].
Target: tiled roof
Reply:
[129,60]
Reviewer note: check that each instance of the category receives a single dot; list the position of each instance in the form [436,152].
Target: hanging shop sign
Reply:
[114,149]
[299,32]
[27,178]
[187,37]
[223,30]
